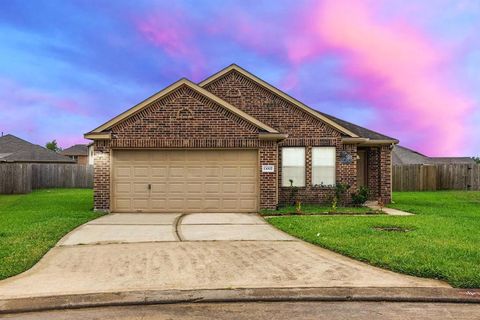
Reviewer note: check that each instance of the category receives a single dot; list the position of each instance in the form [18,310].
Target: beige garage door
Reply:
[185,181]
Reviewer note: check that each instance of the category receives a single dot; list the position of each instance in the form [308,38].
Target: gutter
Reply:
[368,142]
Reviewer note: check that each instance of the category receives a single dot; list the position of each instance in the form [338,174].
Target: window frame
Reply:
[334,166]
[304,168]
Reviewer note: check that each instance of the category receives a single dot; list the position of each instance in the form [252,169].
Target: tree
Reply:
[52,145]
[476,159]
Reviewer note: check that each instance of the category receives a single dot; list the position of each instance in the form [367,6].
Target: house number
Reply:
[268,168]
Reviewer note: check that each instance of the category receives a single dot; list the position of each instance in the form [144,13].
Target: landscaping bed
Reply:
[440,241]
[312,210]
[31,224]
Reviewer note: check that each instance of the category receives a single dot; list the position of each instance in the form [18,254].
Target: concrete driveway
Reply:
[127,252]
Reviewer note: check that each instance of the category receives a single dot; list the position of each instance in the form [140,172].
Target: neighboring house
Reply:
[231,143]
[402,156]
[78,152]
[14,149]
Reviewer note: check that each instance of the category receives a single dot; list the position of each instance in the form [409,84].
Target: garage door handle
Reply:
[149,186]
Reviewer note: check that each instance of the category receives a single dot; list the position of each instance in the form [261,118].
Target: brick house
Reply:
[232,143]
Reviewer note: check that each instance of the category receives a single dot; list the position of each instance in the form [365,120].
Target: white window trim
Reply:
[334,167]
[304,168]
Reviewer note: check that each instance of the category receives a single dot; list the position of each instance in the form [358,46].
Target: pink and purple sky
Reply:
[408,69]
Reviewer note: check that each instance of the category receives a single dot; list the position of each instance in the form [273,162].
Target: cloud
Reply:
[399,71]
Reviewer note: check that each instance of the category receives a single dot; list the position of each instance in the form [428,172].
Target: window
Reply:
[323,166]
[293,167]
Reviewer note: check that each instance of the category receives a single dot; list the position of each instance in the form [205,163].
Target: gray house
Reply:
[14,149]
[402,156]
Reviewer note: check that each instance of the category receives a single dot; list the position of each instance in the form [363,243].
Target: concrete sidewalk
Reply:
[121,253]
[389,211]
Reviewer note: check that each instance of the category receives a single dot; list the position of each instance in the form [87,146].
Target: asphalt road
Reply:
[270,310]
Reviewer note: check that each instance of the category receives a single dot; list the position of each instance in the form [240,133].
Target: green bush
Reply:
[360,197]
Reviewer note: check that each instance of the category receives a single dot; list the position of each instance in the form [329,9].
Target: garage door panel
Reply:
[140,188]
[123,204]
[212,172]
[230,188]
[212,187]
[140,204]
[159,171]
[246,204]
[230,172]
[175,204]
[141,172]
[176,172]
[123,171]
[185,181]
[248,187]
[230,204]
[194,172]
[122,188]
[176,188]
[247,172]
[194,187]
[159,202]
[159,188]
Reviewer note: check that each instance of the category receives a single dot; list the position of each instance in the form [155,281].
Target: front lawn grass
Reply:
[316,209]
[442,239]
[30,224]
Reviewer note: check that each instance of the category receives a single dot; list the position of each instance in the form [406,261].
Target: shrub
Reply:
[360,197]
[339,197]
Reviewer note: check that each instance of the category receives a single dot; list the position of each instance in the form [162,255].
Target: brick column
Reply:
[385,174]
[101,176]
[268,180]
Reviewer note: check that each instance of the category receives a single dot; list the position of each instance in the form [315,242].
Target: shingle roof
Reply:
[447,160]
[402,155]
[76,150]
[14,149]
[359,131]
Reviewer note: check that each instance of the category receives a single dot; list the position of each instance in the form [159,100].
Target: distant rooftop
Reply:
[76,150]
[14,149]
[402,155]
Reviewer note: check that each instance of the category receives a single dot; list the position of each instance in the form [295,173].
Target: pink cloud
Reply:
[174,34]
[398,70]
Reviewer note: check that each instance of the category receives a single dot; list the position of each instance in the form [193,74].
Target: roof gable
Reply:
[99,133]
[279,93]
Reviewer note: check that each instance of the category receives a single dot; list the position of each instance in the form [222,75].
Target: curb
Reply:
[146,297]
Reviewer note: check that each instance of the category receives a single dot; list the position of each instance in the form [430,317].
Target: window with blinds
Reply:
[323,166]
[293,167]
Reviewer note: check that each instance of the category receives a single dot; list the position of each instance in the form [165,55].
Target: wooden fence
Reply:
[418,177]
[25,177]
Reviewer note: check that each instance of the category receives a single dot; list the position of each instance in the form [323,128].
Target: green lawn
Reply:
[443,240]
[31,224]
[317,209]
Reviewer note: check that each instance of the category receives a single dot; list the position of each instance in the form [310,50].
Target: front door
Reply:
[361,169]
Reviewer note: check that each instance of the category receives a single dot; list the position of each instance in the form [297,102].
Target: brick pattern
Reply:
[183,119]
[269,108]
[302,128]
[184,114]
[268,185]
[379,173]
[101,175]
[187,119]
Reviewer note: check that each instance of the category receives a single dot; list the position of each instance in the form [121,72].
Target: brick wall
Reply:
[269,108]
[101,175]
[302,128]
[183,119]
[379,173]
